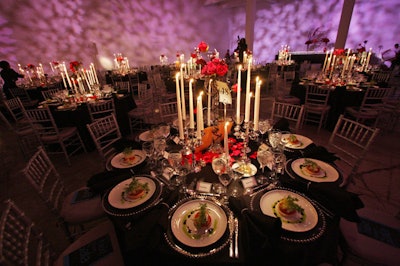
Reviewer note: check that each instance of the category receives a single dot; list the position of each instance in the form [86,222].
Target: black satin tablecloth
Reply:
[339,99]
[260,236]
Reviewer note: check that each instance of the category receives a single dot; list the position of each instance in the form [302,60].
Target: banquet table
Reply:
[341,97]
[146,231]
[78,116]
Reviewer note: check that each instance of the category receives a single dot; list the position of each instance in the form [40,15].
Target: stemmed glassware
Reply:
[263,127]
[220,166]
[274,138]
[264,157]
[148,148]
[160,145]
[164,130]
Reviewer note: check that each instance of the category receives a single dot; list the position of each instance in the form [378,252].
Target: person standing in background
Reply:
[10,77]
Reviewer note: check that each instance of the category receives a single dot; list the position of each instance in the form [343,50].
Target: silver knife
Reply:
[231,233]
[236,238]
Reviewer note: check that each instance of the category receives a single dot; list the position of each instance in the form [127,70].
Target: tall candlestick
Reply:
[178,103]
[63,79]
[191,116]
[95,73]
[325,61]
[200,120]
[209,103]
[226,147]
[238,95]
[257,104]
[247,110]
[67,76]
[368,58]
[183,106]
[248,95]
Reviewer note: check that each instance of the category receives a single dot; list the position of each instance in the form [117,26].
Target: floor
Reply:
[378,182]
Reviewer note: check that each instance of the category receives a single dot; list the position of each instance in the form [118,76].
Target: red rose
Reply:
[201,61]
[222,69]
[203,47]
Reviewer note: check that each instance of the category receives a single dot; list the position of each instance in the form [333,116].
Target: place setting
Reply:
[128,158]
[133,196]
[302,219]
[199,226]
[314,170]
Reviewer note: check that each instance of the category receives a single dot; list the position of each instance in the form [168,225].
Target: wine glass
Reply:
[175,160]
[264,157]
[274,138]
[159,145]
[164,130]
[263,127]
[148,148]
[220,166]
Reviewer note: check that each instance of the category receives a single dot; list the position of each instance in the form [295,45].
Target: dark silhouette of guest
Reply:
[241,48]
[10,77]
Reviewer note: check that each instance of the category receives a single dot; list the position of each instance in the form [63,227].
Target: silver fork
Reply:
[231,235]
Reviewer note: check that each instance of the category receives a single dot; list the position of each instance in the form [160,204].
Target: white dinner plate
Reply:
[328,174]
[252,167]
[146,136]
[268,203]
[118,160]
[184,230]
[115,197]
[303,141]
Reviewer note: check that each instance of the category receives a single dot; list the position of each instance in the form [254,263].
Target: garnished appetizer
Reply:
[202,219]
[129,155]
[288,210]
[293,140]
[244,168]
[135,190]
[312,169]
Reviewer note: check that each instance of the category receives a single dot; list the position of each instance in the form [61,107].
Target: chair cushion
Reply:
[368,248]
[64,133]
[82,211]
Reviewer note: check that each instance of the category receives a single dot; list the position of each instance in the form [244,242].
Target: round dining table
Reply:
[152,230]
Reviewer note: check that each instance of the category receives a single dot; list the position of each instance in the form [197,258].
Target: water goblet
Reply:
[263,127]
[175,160]
[220,166]
[274,138]
[164,130]
[148,148]
[159,145]
[264,157]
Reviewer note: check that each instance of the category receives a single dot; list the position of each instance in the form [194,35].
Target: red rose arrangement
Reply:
[203,47]
[74,66]
[30,66]
[216,67]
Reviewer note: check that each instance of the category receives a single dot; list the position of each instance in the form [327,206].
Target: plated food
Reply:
[198,223]
[295,211]
[128,158]
[288,210]
[294,141]
[135,190]
[146,136]
[132,192]
[246,169]
[314,170]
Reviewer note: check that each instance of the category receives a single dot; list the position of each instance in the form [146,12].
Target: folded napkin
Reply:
[101,182]
[259,234]
[282,124]
[145,233]
[336,199]
[320,153]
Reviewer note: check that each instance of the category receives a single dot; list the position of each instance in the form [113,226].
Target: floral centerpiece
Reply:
[75,66]
[214,74]
[316,38]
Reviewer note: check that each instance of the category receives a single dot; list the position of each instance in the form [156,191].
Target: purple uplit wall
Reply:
[41,31]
